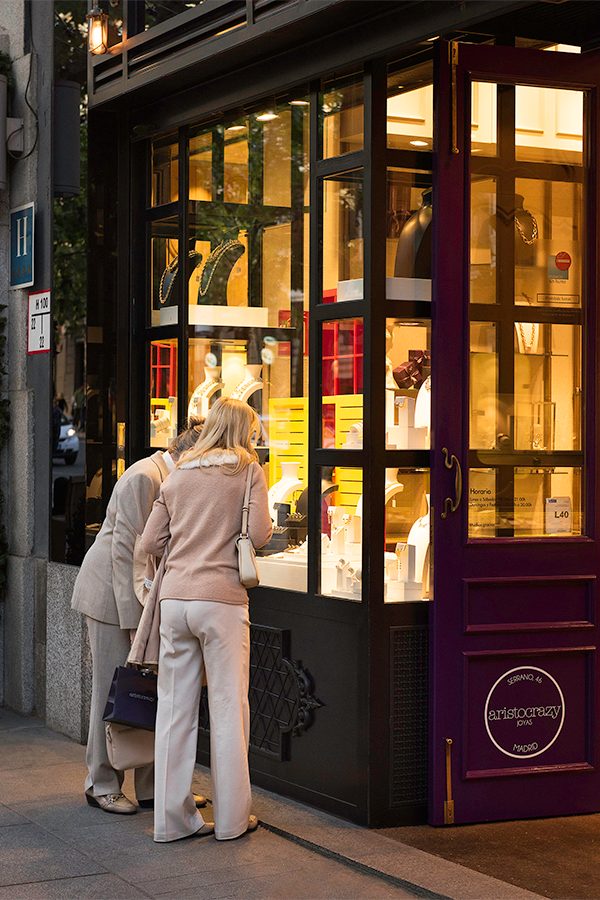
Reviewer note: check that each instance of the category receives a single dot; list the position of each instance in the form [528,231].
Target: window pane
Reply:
[483,271]
[408,248]
[342,117]
[343,245]
[408,384]
[164,272]
[235,180]
[407,535]
[163,392]
[548,125]
[165,171]
[489,423]
[200,166]
[341,532]
[342,384]
[410,107]
[484,125]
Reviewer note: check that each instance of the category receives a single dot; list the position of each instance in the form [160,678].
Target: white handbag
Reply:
[246,553]
[127,747]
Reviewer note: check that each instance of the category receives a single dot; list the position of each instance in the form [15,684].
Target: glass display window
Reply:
[341,532]
[163,392]
[408,242]
[200,163]
[342,116]
[410,107]
[165,170]
[236,174]
[342,384]
[525,502]
[483,271]
[164,271]
[407,554]
[343,239]
[408,384]
[484,118]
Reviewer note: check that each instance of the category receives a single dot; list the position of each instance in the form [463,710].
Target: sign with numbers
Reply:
[38,327]
[21,246]
[558,515]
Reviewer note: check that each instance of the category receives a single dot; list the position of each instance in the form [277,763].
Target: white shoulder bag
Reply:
[246,553]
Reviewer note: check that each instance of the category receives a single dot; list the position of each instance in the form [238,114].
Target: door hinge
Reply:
[449,801]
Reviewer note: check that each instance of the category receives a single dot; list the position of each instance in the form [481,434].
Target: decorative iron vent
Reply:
[281,694]
[409,673]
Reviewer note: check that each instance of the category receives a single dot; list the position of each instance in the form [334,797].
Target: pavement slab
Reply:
[52,844]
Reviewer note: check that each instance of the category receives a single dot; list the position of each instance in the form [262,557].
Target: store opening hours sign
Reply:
[39,322]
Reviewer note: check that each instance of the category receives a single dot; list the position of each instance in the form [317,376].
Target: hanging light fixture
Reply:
[97,31]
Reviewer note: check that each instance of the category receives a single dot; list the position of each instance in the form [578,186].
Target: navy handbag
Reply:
[132,698]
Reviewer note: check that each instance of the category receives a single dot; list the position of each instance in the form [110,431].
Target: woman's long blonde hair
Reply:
[231,427]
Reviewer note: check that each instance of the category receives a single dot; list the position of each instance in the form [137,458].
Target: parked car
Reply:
[68,442]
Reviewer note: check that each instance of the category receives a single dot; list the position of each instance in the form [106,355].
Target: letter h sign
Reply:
[22,246]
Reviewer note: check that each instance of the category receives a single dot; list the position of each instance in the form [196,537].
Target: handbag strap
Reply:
[246,506]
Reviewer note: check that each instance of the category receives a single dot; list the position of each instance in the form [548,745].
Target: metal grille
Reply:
[274,697]
[408,714]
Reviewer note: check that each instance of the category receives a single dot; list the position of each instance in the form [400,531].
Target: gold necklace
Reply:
[527,342]
[213,260]
[534,228]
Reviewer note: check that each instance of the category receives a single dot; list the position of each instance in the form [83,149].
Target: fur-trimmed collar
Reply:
[212,458]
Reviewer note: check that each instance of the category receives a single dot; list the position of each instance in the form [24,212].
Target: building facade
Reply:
[375,223]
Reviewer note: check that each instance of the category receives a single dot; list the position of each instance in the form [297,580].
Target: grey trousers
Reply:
[110,647]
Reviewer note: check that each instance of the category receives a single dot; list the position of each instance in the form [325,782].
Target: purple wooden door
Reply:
[516,516]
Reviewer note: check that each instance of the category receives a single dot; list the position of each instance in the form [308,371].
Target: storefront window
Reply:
[408,244]
[165,170]
[342,116]
[343,242]
[410,107]
[408,384]
[341,532]
[248,304]
[163,392]
[342,384]
[164,272]
[407,536]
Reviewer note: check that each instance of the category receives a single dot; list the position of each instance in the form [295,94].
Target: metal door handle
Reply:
[451,505]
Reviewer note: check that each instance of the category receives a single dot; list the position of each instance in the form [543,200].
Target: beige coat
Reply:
[105,589]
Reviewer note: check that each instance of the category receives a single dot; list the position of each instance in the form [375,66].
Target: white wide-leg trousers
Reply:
[110,647]
[198,635]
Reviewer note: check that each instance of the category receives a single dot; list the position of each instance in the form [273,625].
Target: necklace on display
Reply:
[527,335]
[172,269]
[213,261]
[521,230]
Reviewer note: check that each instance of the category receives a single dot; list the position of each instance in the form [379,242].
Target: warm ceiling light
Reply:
[97,31]
[236,128]
[418,143]
[299,102]
[267,116]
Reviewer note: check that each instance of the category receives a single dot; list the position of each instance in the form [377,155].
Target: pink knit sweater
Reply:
[199,512]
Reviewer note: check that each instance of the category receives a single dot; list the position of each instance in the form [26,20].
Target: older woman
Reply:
[204,622]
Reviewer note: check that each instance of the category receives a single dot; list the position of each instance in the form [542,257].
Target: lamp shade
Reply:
[97,31]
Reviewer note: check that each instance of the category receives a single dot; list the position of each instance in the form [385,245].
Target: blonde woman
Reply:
[204,622]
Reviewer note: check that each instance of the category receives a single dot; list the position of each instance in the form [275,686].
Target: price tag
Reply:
[38,326]
[558,515]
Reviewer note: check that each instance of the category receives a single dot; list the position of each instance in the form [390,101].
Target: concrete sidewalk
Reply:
[53,845]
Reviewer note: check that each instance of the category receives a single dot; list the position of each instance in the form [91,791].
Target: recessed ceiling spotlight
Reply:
[299,103]
[235,128]
[267,116]
[418,143]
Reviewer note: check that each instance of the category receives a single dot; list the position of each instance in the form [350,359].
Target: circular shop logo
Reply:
[524,712]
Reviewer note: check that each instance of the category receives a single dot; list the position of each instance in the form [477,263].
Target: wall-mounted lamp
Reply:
[97,31]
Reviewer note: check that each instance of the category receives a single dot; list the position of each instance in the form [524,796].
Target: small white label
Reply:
[558,515]
[39,324]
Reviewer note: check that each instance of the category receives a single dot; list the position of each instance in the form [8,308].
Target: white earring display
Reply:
[286,487]
[423,405]
[251,383]
[392,485]
[199,401]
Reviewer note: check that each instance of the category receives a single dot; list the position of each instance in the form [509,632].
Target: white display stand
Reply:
[283,489]
[418,537]
[395,289]
[200,400]
[246,316]
[249,385]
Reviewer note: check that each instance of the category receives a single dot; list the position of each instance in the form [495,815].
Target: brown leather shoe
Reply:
[112,803]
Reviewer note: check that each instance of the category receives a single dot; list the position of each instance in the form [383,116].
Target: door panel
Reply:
[516,557]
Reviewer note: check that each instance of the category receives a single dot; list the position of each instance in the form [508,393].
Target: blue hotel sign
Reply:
[21,246]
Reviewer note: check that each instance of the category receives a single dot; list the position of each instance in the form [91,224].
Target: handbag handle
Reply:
[246,506]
